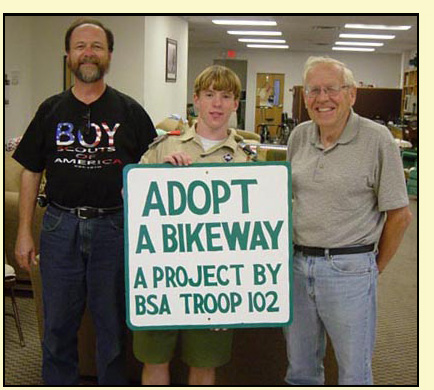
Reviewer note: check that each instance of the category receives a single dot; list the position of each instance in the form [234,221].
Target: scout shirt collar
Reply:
[230,142]
[350,131]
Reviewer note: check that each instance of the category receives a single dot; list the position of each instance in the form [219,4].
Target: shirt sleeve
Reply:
[150,157]
[30,151]
[145,130]
[390,184]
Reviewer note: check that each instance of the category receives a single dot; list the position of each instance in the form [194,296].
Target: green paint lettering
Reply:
[186,298]
[236,235]
[198,304]
[171,186]
[192,237]
[157,275]
[164,308]
[170,276]
[149,305]
[152,307]
[217,198]
[194,208]
[258,237]
[274,271]
[235,301]
[140,305]
[259,277]
[144,241]
[244,183]
[210,236]
[221,281]
[209,275]
[170,244]
[150,203]
[140,279]
[237,268]
[274,233]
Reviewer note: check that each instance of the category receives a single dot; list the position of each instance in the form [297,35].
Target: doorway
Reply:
[269,102]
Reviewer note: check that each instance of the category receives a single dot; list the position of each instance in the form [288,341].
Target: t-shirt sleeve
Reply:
[145,130]
[30,151]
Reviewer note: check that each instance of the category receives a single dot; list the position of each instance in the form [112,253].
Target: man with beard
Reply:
[82,138]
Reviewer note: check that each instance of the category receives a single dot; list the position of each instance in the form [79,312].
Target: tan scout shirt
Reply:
[189,142]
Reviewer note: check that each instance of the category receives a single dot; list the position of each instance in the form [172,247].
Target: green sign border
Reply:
[128,168]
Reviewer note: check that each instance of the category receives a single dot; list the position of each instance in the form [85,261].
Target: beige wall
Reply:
[34,50]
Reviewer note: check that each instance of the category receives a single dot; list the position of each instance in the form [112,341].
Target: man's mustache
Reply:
[89,60]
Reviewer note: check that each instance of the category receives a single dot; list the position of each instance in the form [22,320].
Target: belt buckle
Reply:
[81,211]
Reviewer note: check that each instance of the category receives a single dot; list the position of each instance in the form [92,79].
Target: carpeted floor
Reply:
[396,355]
[22,365]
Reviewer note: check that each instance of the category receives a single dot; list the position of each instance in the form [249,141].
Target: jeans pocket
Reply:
[50,222]
[358,263]
[117,221]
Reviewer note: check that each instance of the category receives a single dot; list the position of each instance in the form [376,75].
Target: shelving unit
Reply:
[409,93]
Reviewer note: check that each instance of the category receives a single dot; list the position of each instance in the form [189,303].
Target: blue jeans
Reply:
[82,261]
[337,295]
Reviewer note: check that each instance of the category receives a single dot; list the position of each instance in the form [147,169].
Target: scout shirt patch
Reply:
[228,157]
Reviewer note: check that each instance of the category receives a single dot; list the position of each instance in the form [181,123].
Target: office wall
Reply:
[34,50]
[17,62]
[165,98]
[381,70]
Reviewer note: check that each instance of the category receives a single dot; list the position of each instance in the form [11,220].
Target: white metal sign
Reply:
[208,245]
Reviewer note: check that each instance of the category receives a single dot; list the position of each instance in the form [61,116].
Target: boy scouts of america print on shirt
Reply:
[89,146]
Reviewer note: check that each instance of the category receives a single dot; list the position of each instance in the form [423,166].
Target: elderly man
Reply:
[350,214]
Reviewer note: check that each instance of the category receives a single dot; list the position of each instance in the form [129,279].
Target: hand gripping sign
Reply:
[208,245]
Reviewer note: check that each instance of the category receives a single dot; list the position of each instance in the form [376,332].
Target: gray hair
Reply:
[314,61]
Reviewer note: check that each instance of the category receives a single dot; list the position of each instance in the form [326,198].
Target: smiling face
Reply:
[88,56]
[215,109]
[329,112]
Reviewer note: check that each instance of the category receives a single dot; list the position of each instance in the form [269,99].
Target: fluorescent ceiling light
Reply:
[268,46]
[378,44]
[256,40]
[271,33]
[366,36]
[377,27]
[353,48]
[246,22]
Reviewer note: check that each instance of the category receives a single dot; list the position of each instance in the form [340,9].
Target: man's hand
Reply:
[25,252]
[178,158]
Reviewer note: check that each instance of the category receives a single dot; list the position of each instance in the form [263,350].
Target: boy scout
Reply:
[216,96]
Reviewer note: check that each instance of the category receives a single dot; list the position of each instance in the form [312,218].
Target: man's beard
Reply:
[88,74]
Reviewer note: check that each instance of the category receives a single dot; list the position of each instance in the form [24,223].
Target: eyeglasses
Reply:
[85,127]
[332,91]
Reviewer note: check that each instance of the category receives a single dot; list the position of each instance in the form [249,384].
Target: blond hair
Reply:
[220,78]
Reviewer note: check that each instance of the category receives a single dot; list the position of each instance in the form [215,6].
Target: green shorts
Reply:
[200,347]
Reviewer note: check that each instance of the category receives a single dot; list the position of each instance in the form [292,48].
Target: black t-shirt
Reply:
[85,147]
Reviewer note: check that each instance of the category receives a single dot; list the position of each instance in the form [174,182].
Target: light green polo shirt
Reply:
[341,193]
